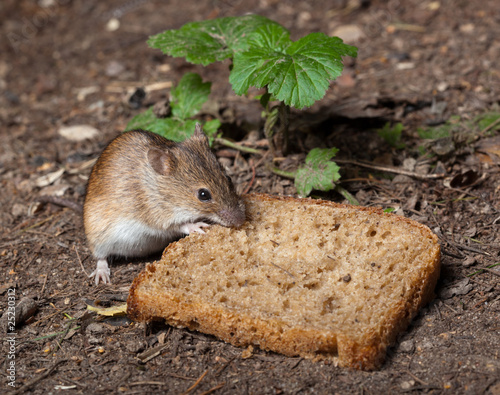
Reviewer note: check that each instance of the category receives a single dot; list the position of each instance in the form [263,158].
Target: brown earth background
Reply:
[68,63]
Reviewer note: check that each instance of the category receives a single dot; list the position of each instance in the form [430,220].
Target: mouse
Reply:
[146,191]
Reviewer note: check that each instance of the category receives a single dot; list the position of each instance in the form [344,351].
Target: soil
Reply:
[68,63]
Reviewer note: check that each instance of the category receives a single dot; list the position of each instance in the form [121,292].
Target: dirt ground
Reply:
[70,63]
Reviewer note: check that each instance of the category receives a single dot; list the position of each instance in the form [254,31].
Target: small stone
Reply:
[114,68]
[113,25]
[426,344]
[406,385]
[407,346]
[442,86]
[405,66]
[163,68]
[78,132]
[469,261]
[135,346]
[422,168]
[409,164]
[349,33]
[94,327]
[93,340]
[443,146]
[467,28]
[18,209]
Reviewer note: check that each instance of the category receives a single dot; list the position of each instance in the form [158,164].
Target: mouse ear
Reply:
[159,161]
[199,134]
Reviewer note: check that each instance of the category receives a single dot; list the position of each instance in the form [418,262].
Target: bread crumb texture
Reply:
[300,277]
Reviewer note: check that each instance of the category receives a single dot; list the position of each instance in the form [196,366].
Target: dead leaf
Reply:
[55,190]
[488,150]
[465,179]
[120,309]
[461,288]
[48,179]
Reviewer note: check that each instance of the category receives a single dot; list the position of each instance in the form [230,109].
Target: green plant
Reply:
[482,124]
[487,268]
[456,133]
[392,134]
[292,73]
[440,131]
[318,172]
[185,102]
[488,122]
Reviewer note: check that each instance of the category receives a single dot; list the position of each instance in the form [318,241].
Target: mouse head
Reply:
[190,177]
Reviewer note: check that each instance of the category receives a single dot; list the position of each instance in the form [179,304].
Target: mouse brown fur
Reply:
[145,191]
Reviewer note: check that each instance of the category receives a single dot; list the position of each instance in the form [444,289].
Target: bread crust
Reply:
[151,298]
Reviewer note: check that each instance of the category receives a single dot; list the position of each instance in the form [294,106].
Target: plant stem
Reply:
[282,173]
[227,143]
[347,195]
[282,133]
[487,268]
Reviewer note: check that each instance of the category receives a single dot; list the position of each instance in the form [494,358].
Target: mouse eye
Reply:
[204,195]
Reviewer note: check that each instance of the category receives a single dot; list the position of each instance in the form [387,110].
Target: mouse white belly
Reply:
[131,238]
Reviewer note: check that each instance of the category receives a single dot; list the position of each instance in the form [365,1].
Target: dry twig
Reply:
[31,383]
[390,169]
[197,382]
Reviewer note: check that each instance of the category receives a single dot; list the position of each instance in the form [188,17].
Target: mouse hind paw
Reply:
[101,272]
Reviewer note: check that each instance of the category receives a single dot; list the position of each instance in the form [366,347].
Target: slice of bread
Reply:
[300,277]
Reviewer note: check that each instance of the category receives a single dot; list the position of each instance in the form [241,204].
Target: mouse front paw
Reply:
[101,272]
[194,228]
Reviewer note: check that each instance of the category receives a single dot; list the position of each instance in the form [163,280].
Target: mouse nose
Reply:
[233,217]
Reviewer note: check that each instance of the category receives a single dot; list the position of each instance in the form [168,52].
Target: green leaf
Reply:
[392,134]
[297,73]
[142,121]
[318,173]
[189,95]
[211,129]
[489,120]
[187,99]
[437,132]
[171,128]
[209,41]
